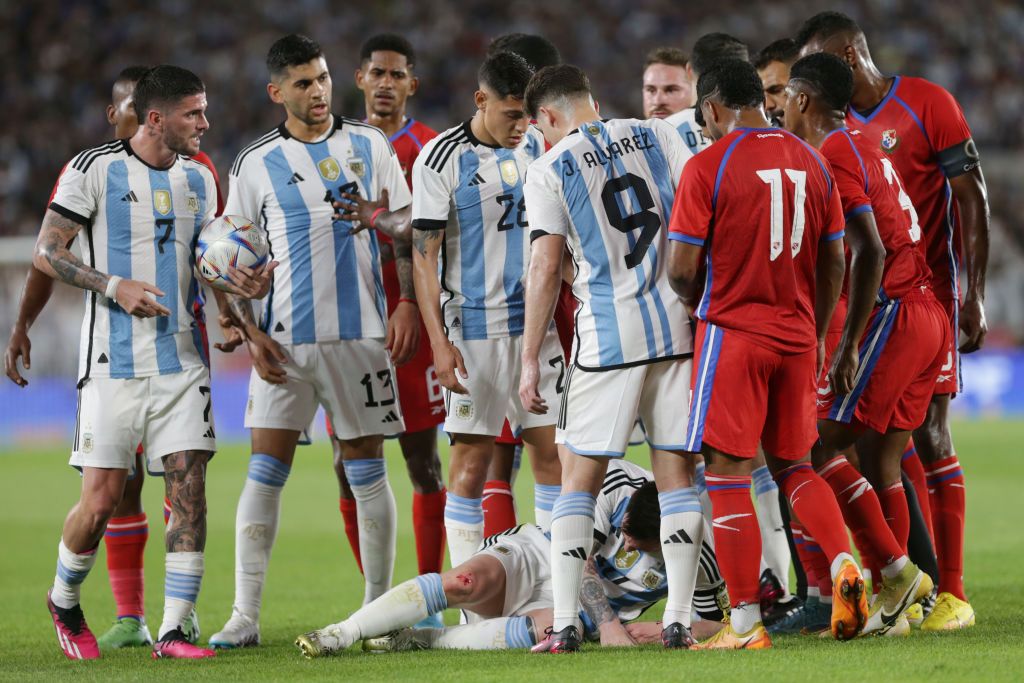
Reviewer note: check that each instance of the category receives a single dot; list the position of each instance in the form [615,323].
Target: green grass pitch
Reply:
[313,581]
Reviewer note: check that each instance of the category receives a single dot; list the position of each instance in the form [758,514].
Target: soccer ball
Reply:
[228,241]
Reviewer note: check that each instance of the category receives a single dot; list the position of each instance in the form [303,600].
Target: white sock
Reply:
[890,570]
[183,576]
[837,563]
[682,531]
[572,537]
[464,526]
[402,606]
[72,568]
[813,592]
[745,617]
[544,497]
[774,544]
[259,508]
[491,634]
[378,523]
[705,498]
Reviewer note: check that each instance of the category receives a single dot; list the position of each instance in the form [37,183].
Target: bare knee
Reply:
[97,508]
[461,586]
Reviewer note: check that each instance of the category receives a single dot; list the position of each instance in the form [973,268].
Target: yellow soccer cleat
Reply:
[849,602]
[756,638]
[900,629]
[950,614]
[915,614]
[898,593]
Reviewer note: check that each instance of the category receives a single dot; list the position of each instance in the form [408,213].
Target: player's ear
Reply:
[110,114]
[414,85]
[359,78]
[480,97]
[803,101]
[274,92]
[850,56]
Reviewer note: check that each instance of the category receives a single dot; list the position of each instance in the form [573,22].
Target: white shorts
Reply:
[525,552]
[599,408]
[165,413]
[351,378]
[494,366]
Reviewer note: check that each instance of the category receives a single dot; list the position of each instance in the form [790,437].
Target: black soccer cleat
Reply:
[564,641]
[677,637]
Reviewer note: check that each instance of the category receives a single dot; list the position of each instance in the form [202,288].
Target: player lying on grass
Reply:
[505,587]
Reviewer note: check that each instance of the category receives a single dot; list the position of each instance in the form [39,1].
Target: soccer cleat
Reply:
[240,631]
[780,610]
[813,616]
[677,637]
[73,635]
[402,640]
[928,603]
[756,638]
[126,632]
[432,621]
[174,645]
[562,642]
[914,614]
[769,590]
[191,627]
[900,629]
[321,643]
[950,614]
[897,594]
[849,602]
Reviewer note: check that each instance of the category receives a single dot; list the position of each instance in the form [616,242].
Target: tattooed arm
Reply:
[448,361]
[403,337]
[595,604]
[267,355]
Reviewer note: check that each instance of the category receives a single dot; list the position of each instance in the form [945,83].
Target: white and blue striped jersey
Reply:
[608,189]
[141,223]
[686,125]
[474,192]
[328,285]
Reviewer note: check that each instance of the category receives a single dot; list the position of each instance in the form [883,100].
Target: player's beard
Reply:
[184,144]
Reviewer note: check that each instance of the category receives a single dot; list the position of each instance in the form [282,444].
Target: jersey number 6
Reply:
[645,220]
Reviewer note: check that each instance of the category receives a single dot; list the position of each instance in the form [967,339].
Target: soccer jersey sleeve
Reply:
[946,127]
[676,152]
[431,195]
[389,171]
[77,195]
[244,198]
[692,211]
[835,222]
[850,175]
[544,209]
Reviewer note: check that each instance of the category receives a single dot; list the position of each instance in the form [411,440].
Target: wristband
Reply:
[373,217]
[111,290]
[407,300]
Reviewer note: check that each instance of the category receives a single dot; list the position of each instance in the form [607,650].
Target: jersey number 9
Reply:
[645,220]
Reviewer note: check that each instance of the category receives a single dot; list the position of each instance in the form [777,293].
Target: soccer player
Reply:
[385,76]
[666,83]
[468,198]
[321,339]
[921,129]
[892,341]
[709,50]
[772,64]
[757,256]
[143,372]
[604,190]
[505,587]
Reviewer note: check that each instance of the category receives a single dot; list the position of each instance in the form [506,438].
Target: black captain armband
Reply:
[959,159]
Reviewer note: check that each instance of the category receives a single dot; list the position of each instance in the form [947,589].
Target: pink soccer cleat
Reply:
[73,635]
[174,645]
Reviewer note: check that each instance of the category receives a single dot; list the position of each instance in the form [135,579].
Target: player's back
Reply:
[692,135]
[759,200]
[608,188]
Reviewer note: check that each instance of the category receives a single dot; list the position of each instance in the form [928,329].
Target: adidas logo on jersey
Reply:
[296,178]
[680,536]
[130,197]
[456,323]
[390,417]
[578,553]
[477,180]
[209,434]
[278,327]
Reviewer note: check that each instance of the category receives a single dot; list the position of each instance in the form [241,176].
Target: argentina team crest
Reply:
[192,201]
[162,202]
[509,171]
[625,560]
[329,168]
[651,579]
[890,141]
[463,409]
[357,166]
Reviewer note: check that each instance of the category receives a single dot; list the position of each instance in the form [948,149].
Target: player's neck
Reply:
[151,150]
[752,118]
[870,89]
[300,130]
[820,128]
[389,123]
[476,125]
[584,114]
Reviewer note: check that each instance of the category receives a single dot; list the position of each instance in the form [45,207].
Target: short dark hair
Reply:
[162,85]
[671,56]
[824,25]
[506,73]
[643,513]
[538,51]
[387,42]
[712,48]
[733,81]
[827,74]
[552,82]
[783,50]
[292,50]
[132,74]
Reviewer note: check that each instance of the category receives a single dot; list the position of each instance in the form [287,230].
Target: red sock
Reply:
[499,507]
[126,544]
[167,511]
[737,536]
[815,505]
[802,554]
[897,514]
[816,565]
[946,489]
[912,467]
[428,525]
[348,513]
[861,509]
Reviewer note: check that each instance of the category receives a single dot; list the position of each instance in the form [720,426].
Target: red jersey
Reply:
[921,128]
[758,201]
[867,181]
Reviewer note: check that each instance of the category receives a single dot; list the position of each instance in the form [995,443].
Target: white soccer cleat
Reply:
[402,640]
[240,631]
[322,642]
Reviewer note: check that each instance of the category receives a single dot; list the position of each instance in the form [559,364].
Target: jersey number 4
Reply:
[645,220]
[773,178]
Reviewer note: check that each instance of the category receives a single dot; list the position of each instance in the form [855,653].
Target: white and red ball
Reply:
[229,241]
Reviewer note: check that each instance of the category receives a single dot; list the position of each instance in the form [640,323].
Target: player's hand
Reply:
[403,338]
[358,210]
[267,358]
[250,283]
[529,393]
[18,345]
[842,376]
[613,634]
[449,366]
[644,632]
[973,325]
[134,297]
[233,336]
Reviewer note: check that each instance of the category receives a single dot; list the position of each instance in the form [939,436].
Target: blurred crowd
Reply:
[60,57]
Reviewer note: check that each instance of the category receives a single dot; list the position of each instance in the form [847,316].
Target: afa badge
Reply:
[890,141]
[87,443]
[651,579]
[329,168]
[463,409]
[192,201]
[625,560]
[503,549]
[593,129]
[357,166]
[162,202]
[509,171]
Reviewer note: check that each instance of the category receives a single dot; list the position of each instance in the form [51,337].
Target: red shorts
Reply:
[507,438]
[949,380]
[901,353]
[744,394]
